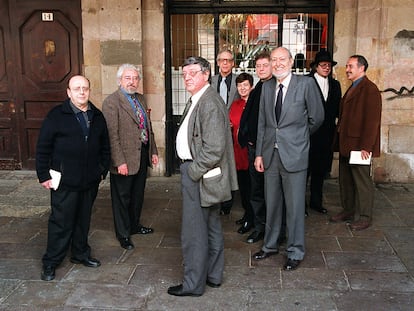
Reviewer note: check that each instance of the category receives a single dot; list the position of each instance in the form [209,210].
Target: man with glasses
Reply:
[225,84]
[73,146]
[321,151]
[208,176]
[133,150]
[225,81]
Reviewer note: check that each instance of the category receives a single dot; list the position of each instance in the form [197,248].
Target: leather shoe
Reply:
[319,209]
[291,264]
[126,243]
[241,220]
[263,255]
[342,216]
[360,225]
[255,236]
[89,262]
[48,273]
[246,227]
[144,230]
[178,291]
[213,285]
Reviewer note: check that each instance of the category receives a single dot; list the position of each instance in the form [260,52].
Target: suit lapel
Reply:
[127,107]
[289,96]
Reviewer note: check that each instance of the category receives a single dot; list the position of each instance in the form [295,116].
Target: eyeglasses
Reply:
[190,73]
[324,66]
[129,78]
[79,89]
[227,60]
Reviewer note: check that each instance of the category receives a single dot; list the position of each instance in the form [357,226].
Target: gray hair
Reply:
[123,67]
[204,64]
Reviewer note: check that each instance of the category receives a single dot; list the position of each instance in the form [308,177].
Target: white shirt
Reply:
[323,85]
[181,143]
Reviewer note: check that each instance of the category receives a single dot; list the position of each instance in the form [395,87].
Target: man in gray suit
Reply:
[225,81]
[290,110]
[208,175]
[225,84]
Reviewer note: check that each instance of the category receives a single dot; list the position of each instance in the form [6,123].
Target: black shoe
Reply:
[319,209]
[126,243]
[263,255]
[178,291]
[213,285]
[48,273]
[291,264]
[144,230]
[241,220]
[89,262]
[255,236]
[246,227]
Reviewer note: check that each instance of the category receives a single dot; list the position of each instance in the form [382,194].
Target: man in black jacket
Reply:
[321,151]
[73,144]
[247,137]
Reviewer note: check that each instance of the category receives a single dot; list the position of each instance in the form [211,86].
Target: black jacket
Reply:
[322,139]
[250,116]
[62,146]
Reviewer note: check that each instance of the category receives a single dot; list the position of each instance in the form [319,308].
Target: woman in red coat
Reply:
[244,84]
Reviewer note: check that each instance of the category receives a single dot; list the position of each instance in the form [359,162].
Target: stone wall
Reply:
[383,31]
[127,31]
[118,31]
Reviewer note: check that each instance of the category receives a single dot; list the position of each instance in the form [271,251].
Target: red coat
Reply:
[240,153]
[359,123]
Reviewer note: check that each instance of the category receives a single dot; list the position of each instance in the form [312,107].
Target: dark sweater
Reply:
[62,146]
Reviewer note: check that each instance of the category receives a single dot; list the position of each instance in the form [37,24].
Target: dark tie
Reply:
[187,107]
[278,107]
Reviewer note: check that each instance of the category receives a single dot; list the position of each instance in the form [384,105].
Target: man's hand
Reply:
[258,164]
[123,169]
[365,154]
[47,184]
[154,159]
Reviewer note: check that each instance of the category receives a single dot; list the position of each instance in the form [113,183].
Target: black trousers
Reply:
[257,200]
[68,224]
[243,179]
[127,194]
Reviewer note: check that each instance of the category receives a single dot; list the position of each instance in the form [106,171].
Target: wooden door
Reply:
[41,50]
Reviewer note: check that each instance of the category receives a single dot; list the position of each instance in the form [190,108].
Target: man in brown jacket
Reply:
[133,149]
[358,130]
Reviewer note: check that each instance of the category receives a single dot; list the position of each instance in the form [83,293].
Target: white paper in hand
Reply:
[55,178]
[356,158]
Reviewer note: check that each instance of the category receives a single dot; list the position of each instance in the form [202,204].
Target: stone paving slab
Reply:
[342,270]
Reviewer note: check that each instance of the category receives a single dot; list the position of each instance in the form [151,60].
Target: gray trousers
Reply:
[201,238]
[356,188]
[290,187]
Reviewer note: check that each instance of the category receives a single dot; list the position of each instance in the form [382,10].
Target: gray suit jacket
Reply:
[233,94]
[124,132]
[302,113]
[211,146]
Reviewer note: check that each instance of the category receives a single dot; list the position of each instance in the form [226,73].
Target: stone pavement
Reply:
[342,270]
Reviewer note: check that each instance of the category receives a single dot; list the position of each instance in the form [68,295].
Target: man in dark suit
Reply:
[359,129]
[247,137]
[321,153]
[74,143]
[208,176]
[133,150]
[290,110]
